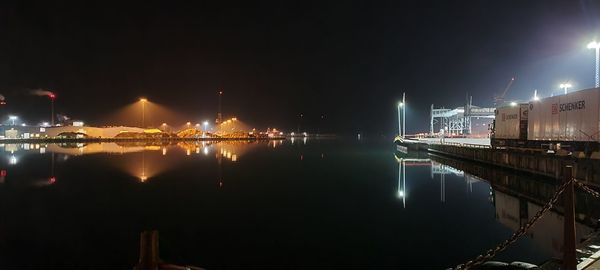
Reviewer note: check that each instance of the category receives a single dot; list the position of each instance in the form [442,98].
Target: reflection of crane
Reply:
[499,99]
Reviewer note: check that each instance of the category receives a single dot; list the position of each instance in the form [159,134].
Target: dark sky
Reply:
[349,60]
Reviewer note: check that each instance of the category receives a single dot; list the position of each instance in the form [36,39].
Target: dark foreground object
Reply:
[149,255]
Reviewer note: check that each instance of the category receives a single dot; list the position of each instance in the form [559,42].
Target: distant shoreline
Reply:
[98,140]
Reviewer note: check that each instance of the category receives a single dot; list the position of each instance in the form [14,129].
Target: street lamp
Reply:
[402,116]
[596,45]
[565,86]
[13,118]
[535,96]
[143,101]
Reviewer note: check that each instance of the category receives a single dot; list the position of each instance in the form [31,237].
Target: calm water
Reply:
[279,205]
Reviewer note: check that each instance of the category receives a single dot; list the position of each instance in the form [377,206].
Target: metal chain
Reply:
[516,235]
[587,189]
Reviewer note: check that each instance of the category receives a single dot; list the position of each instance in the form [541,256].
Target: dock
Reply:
[532,161]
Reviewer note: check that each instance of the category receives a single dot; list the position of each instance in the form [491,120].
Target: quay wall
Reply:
[534,162]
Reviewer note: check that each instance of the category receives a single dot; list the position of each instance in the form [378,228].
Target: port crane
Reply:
[499,99]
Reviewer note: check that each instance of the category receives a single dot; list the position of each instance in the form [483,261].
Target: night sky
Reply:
[348,60]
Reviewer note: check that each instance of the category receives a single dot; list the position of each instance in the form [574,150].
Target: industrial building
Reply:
[469,120]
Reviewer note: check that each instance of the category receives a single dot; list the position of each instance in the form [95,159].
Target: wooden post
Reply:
[569,254]
[149,257]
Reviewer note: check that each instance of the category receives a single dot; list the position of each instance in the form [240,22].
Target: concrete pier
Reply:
[530,161]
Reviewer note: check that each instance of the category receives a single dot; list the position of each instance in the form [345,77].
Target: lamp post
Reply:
[535,95]
[143,101]
[402,116]
[13,118]
[565,86]
[596,45]
[205,125]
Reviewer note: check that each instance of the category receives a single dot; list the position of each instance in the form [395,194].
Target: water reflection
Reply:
[141,160]
[437,171]
[516,198]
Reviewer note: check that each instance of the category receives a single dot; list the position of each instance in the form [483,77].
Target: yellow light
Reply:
[143,100]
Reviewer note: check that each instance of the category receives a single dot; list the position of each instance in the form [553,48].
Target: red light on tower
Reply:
[52,97]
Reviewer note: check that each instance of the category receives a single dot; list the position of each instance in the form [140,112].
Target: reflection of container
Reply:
[11,134]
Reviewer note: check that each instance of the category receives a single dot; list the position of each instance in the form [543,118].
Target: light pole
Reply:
[205,125]
[596,45]
[13,118]
[219,113]
[565,86]
[402,116]
[143,101]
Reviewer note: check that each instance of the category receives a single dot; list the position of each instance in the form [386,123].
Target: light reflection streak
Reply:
[141,160]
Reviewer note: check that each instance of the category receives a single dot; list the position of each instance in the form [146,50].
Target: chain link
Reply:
[516,235]
[587,189]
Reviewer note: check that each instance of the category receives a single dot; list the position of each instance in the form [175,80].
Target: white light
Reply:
[205,150]
[12,160]
[593,45]
[513,104]
[45,124]
[23,125]
[205,123]
[400,193]
[400,104]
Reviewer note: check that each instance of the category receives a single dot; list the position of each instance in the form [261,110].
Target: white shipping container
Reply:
[507,121]
[571,117]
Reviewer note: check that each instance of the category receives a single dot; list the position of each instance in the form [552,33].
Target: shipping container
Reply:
[567,118]
[511,122]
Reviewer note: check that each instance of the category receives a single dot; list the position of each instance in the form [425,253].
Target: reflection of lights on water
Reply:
[301,157]
[197,150]
[400,193]
[304,140]
[234,157]
[292,139]
[164,151]
[42,150]
[220,183]
[188,152]
[12,160]
[205,150]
